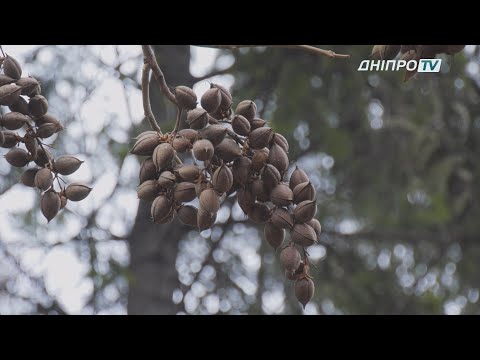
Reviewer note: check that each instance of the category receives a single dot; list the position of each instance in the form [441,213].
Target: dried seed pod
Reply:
[201,185]
[205,220]
[44,131]
[274,235]
[214,133]
[187,214]
[228,150]
[17,157]
[167,180]
[247,108]
[304,290]
[257,187]
[148,171]
[50,204]
[257,123]
[259,214]
[278,158]
[242,169]
[43,157]
[280,140]
[185,97]
[240,125]
[281,195]
[184,192]
[385,52]
[145,145]
[28,177]
[271,176]
[315,224]
[5,80]
[190,134]
[226,97]
[304,235]
[148,190]
[181,144]
[12,68]
[38,105]
[9,94]
[290,258]
[305,211]
[30,86]
[63,201]
[10,139]
[260,138]
[291,275]
[282,218]
[50,119]
[188,173]
[222,179]
[216,161]
[298,176]
[303,191]
[209,200]
[32,146]
[139,136]
[211,99]
[197,118]
[20,106]
[163,155]
[260,158]
[13,120]
[77,191]
[43,179]
[167,219]
[263,197]
[161,209]
[246,200]
[203,150]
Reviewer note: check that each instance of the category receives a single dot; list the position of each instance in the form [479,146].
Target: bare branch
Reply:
[146,98]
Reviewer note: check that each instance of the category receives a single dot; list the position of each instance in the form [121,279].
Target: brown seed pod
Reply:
[17,157]
[163,155]
[228,150]
[209,200]
[205,220]
[30,86]
[385,52]
[280,140]
[247,108]
[222,179]
[12,68]
[188,173]
[50,204]
[260,159]
[281,195]
[28,177]
[161,209]
[185,97]
[290,258]
[303,191]
[148,171]
[203,150]
[305,211]
[63,201]
[263,197]
[190,134]
[32,146]
[181,144]
[226,97]
[145,145]
[211,99]
[197,118]
[274,235]
[43,157]
[282,218]
[246,200]
[167,180]
[77,191]
[315,224]
[5,80]
[44,131]
[240,125]
[50,119]
[20,106]
[257,123]
[187,214]
[304,290]
[43,179]
[148,190]
[304,235]
[278,158]
[167,219]
[257,187]
[260,213]
[10,139]
[184,192]
[38,105]
[9,94]
[242,170]
[139,136]
[298,176]
[13,120]
[260,138]
[271,176]
[214,133]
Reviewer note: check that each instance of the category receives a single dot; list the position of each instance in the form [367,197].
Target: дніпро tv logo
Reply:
[421,65]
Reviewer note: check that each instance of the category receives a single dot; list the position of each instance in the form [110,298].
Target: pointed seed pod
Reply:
[247,108]
[44,131]
[190,134]
[43,157]
[13,120]
[30,86]
[304,290]
[315,224]
[148,171]
[257,123]
[246,200]
[142,134]
[305,211]
[161,209]
[185,97]
[271,176]
[242,169]
[17,157]
[281,195]
[28,177]
[259,214]
[203,150]
[226,97]
[5,80]
[222,179]
[240,125]
[290,258]
[209,201]
[278,158]
[303,191]
[205,220]
[50,204]
[148,190]
[298,176]
[304,235]
[167,180]
[188,173]
[260,138]
[163,155]
[282,218]
[228,150]
[32,146]
[43,179]
[211,99]
[200,186]
[49,119]
[197,118]
[257,188]
[187,214]
[10,139]
[274,235]
[9,94]
[77,191]
[12,68]
[145,145]
[214,133]
[280,140]
[260,159]
[167,219]
[181,144]
[184,192]
[38,105]
[20,106]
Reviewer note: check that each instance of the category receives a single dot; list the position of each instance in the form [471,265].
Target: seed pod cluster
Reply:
[233,153]
[413,52]
[24,129]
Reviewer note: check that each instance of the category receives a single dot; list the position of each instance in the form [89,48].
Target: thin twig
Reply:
[1,49]
[146,98]
[177,121]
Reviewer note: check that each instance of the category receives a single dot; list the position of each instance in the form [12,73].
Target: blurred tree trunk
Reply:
[153,248]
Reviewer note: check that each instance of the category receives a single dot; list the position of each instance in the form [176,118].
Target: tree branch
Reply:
[147,108]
